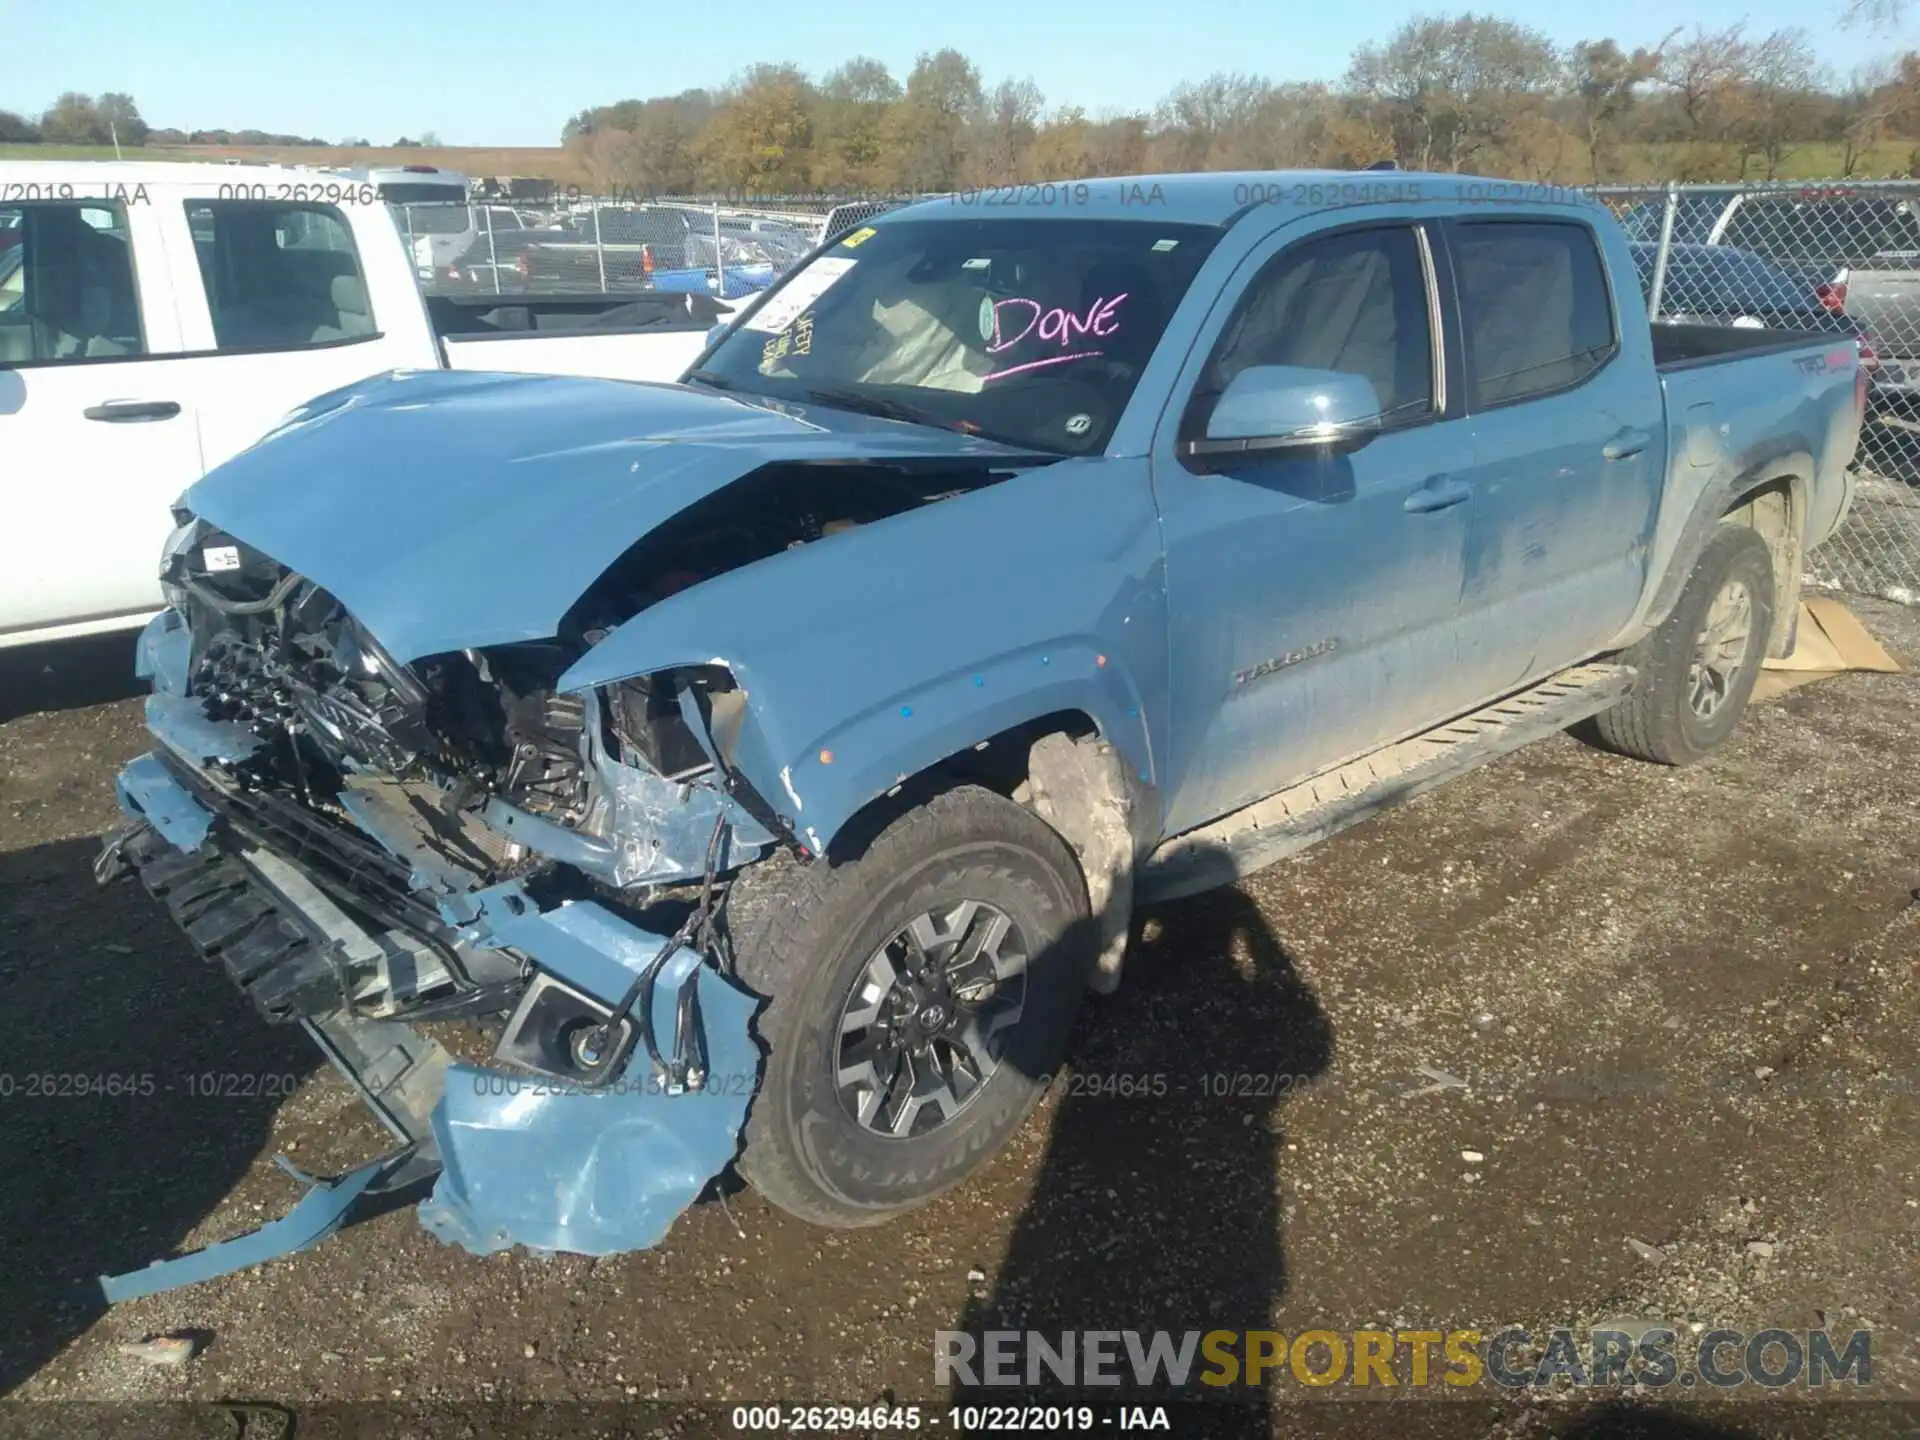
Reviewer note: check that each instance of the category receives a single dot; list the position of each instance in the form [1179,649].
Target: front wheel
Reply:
[1697,671]
[919,994]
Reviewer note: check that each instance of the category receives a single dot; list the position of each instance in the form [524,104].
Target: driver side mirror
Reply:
[1289,408]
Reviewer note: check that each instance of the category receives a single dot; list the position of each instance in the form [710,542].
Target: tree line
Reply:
[77,119]
[1461,92]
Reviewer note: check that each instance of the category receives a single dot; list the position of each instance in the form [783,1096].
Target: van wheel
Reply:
[920,992]
[1697,671]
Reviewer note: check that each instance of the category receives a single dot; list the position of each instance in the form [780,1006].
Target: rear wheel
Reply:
[919,994]
[1697,671]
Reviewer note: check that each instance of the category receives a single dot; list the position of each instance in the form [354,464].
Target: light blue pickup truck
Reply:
[772,761]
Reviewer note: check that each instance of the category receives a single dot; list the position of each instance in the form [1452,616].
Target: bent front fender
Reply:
[870,655]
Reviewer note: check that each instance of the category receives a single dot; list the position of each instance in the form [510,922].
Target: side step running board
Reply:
[1284,824]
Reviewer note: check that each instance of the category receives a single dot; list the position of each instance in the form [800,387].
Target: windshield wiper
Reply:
[713,379]
[887,409]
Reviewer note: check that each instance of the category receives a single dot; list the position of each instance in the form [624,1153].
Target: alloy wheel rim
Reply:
[1721,652]
[925,1024]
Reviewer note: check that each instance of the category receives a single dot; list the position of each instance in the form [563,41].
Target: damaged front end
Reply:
[370,849]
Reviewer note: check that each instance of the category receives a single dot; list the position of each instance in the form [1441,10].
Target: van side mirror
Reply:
[1268,408]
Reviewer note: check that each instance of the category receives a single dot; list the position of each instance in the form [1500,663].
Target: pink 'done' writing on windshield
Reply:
[1057,324]
[1054,325]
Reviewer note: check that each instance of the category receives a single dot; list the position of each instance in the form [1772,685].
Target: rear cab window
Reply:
[67,290]
[1535,309]
[279,276]
[1827,234]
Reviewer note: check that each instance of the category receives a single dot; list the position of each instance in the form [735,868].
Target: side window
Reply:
[66,283]
[279,277]
[1354,302]
[1534,307]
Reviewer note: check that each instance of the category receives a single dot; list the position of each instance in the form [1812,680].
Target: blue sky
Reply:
[509,72]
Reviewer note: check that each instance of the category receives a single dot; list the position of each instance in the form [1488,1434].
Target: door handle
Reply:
[1625,443]
[1437,493]
[120,412]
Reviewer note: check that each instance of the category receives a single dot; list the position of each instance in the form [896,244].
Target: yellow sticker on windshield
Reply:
[865,232]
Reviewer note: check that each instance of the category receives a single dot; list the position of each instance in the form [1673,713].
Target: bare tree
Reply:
[1450,88]
[928,129]
[1199,119]
[850,124]
[1778,97]
[1702,72]
[1604,81]
[1008,124]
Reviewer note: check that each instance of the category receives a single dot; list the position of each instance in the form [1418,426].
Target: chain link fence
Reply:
[1836,257]
[595,245]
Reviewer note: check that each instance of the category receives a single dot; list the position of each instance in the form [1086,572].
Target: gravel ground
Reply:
[1681,1003]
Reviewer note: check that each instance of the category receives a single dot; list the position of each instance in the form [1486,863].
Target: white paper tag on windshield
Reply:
[220,557]
[800,292]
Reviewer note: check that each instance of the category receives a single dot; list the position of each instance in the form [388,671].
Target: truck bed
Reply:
[1678,347]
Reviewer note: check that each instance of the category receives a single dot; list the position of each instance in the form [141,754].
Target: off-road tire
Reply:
[1657,720]
[801,934]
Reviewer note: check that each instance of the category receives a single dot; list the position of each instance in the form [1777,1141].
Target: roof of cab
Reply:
[1220,197]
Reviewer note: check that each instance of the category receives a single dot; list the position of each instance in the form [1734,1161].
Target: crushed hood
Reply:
[450,510]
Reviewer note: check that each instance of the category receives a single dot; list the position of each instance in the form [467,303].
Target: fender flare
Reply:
[1724,493]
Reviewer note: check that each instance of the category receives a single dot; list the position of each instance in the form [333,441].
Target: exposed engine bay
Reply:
[470,769]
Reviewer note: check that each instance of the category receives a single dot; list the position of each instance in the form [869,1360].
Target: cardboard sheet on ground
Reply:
[1830,641]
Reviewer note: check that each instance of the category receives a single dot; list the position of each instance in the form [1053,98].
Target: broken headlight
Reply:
[644,716]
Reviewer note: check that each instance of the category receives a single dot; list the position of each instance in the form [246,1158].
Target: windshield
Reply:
[1032,332]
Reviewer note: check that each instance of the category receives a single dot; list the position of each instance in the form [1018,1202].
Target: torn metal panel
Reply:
[181,724]
[321,1211]
[870,658]
[147,792]
[162,651]
[581,941]
[536,1162]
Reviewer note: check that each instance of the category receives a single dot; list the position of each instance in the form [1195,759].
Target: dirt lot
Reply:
[1682,1004]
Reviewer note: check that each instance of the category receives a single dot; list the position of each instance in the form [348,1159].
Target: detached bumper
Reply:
[516,1158]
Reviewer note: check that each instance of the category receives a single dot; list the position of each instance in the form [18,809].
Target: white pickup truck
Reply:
[156,319]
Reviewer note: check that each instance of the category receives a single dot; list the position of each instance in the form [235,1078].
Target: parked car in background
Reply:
[989,574]
[657,247]
[439,235]
[144,341]
[1858,250]
[611,247]
[1718,285]
[495,261]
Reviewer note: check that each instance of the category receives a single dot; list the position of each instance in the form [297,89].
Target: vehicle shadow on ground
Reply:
[1157,1206]
[104,996]
[67,675]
